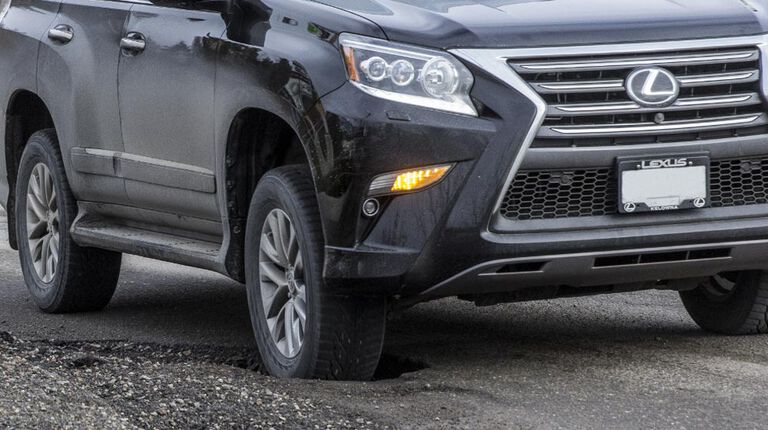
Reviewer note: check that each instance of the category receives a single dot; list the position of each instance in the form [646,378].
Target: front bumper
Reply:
[449,239]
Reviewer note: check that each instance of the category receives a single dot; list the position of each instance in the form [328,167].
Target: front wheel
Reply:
[733,303]
[60,275]
[302,329]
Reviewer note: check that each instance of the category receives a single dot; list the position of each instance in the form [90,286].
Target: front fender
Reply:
[281,56]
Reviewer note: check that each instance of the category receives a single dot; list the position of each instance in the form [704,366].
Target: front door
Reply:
[77,76]
[166,80]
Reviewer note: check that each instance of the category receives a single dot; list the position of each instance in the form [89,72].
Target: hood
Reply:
[529,23]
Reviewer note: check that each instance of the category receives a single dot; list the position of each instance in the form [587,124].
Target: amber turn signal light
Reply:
[408,181]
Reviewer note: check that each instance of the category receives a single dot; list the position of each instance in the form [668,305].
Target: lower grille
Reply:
[539,195]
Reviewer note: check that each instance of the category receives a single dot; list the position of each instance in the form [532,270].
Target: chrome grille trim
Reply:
[631,62]
[690,103]
[653,128]
[587,98]
[576,87]
[744,77]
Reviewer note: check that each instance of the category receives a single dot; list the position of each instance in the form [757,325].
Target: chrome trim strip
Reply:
[608,85]
[719,79]
[718,101]
[495,62]
[576,109]
[630,62]
[578,87]
[667,127]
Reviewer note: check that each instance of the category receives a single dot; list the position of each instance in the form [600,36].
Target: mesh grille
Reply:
[538,195]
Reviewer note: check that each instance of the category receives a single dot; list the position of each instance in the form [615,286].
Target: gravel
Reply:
[123,385]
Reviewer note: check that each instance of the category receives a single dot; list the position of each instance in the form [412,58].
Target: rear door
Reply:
[77,77]
[167,74]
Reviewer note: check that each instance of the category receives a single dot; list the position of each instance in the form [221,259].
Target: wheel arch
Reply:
[258,140]
[26,114]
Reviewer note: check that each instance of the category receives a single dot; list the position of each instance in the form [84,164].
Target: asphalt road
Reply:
[625,361]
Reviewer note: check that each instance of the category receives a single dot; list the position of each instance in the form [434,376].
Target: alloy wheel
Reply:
[722,285]
[43,223]
[282,283]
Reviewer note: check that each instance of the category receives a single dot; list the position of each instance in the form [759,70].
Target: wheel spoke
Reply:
[298,265]
[50,266]
[47,185]
[274,226]
[52,198]
[297,330]
[275,328]
[36,248]
[724,283]
[34,184]
[37,230]
[54,243]
[293,247]
[274,303]
[268,248]
[301,310]
[36,208]
[41,191]
[282,234]
[289,334]
[45,248]
[273,273]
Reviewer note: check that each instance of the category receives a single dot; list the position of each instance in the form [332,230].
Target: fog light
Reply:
[408,181]
[371,207]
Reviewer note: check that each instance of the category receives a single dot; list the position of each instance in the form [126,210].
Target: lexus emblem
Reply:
[652,87]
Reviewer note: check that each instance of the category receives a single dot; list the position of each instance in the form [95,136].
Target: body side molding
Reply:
[143,169]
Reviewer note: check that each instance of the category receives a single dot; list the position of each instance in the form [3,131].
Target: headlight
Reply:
[408,74]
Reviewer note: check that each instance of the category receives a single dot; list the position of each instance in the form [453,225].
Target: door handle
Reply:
[133,44]
[61,33]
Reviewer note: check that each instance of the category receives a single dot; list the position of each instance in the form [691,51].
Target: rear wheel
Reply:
[60,275]
[302,329]
[733,303]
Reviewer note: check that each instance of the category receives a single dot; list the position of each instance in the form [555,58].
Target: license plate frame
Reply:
[663,183]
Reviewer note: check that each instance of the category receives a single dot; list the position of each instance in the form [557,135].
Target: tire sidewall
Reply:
[273,193]
[38,150]
[728,314]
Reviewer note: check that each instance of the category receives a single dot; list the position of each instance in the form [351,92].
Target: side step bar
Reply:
[100,233]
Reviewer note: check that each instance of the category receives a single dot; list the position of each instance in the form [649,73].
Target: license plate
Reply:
[663,184]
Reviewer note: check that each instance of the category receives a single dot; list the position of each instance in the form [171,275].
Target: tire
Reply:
[341,337]
[734,303]
[77,279]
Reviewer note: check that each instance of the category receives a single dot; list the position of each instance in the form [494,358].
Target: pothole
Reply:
[250,362]
[393,366]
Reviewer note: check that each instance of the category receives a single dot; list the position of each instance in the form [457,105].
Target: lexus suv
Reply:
[346,159]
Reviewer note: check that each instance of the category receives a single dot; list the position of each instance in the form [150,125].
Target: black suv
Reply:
[348,158]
